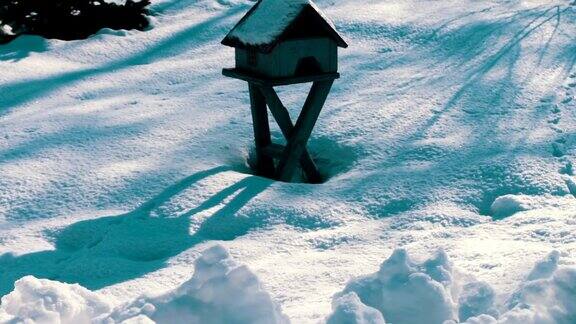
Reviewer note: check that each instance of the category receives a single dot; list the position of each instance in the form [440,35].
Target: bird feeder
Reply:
[278,43]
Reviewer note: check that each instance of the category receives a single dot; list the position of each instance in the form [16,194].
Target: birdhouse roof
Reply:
[270,21]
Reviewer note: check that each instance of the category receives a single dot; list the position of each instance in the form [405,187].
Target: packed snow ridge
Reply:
[222,291]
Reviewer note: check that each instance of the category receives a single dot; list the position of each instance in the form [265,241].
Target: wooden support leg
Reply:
[302,130]
[284,121]
[264,164]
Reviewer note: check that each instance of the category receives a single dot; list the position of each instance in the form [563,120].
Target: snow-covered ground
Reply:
[453,127]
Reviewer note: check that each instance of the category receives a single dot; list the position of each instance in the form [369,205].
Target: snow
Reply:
[508,205]
[433,292]
[44,301]
[349,309]
[268,21]
[6,29]
[548,299]
[123,157]
[221,291]
[407,292]
[117,2]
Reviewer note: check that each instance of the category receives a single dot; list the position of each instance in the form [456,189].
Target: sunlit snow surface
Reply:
[453,126]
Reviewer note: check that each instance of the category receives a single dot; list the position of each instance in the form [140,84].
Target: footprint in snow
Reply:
[557,149]
[567,169]
[567,100]
[571,184]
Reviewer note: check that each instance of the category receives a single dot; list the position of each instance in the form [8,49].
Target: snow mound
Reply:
[44,301]
[476,298]
[548,295]
[432,292]
[221,291]
[546,267]
[348,309]
[407,292]
[508,205]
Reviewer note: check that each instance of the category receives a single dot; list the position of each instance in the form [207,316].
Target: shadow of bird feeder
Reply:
[278,43]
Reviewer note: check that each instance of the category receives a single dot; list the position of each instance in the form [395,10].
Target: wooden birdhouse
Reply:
[285,38]
[278,43]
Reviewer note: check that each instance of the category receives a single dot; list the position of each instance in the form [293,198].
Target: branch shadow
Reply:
[473,50]
[100,252]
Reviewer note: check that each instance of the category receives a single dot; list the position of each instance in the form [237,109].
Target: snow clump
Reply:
[45,301]
[349,309]
[508,205]
[407,292]
[432,292]
[220,291]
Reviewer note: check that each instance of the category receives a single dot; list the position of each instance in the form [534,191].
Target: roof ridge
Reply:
[265,23]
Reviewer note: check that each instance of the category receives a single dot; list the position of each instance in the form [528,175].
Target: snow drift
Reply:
[349,309]
[547,297]
[45,301]
[220,291]
[404,291]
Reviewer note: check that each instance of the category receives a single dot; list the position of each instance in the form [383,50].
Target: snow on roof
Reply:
[268,19]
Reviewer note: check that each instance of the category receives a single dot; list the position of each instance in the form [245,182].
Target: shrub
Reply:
[69,19]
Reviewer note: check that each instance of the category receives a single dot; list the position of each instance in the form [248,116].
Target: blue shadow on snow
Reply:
[100,252]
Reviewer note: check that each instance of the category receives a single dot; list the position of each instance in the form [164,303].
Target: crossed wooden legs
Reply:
[296,135]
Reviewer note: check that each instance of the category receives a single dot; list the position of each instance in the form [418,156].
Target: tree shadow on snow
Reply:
[100,252]
[470,54]
[22,47]
[18,93]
